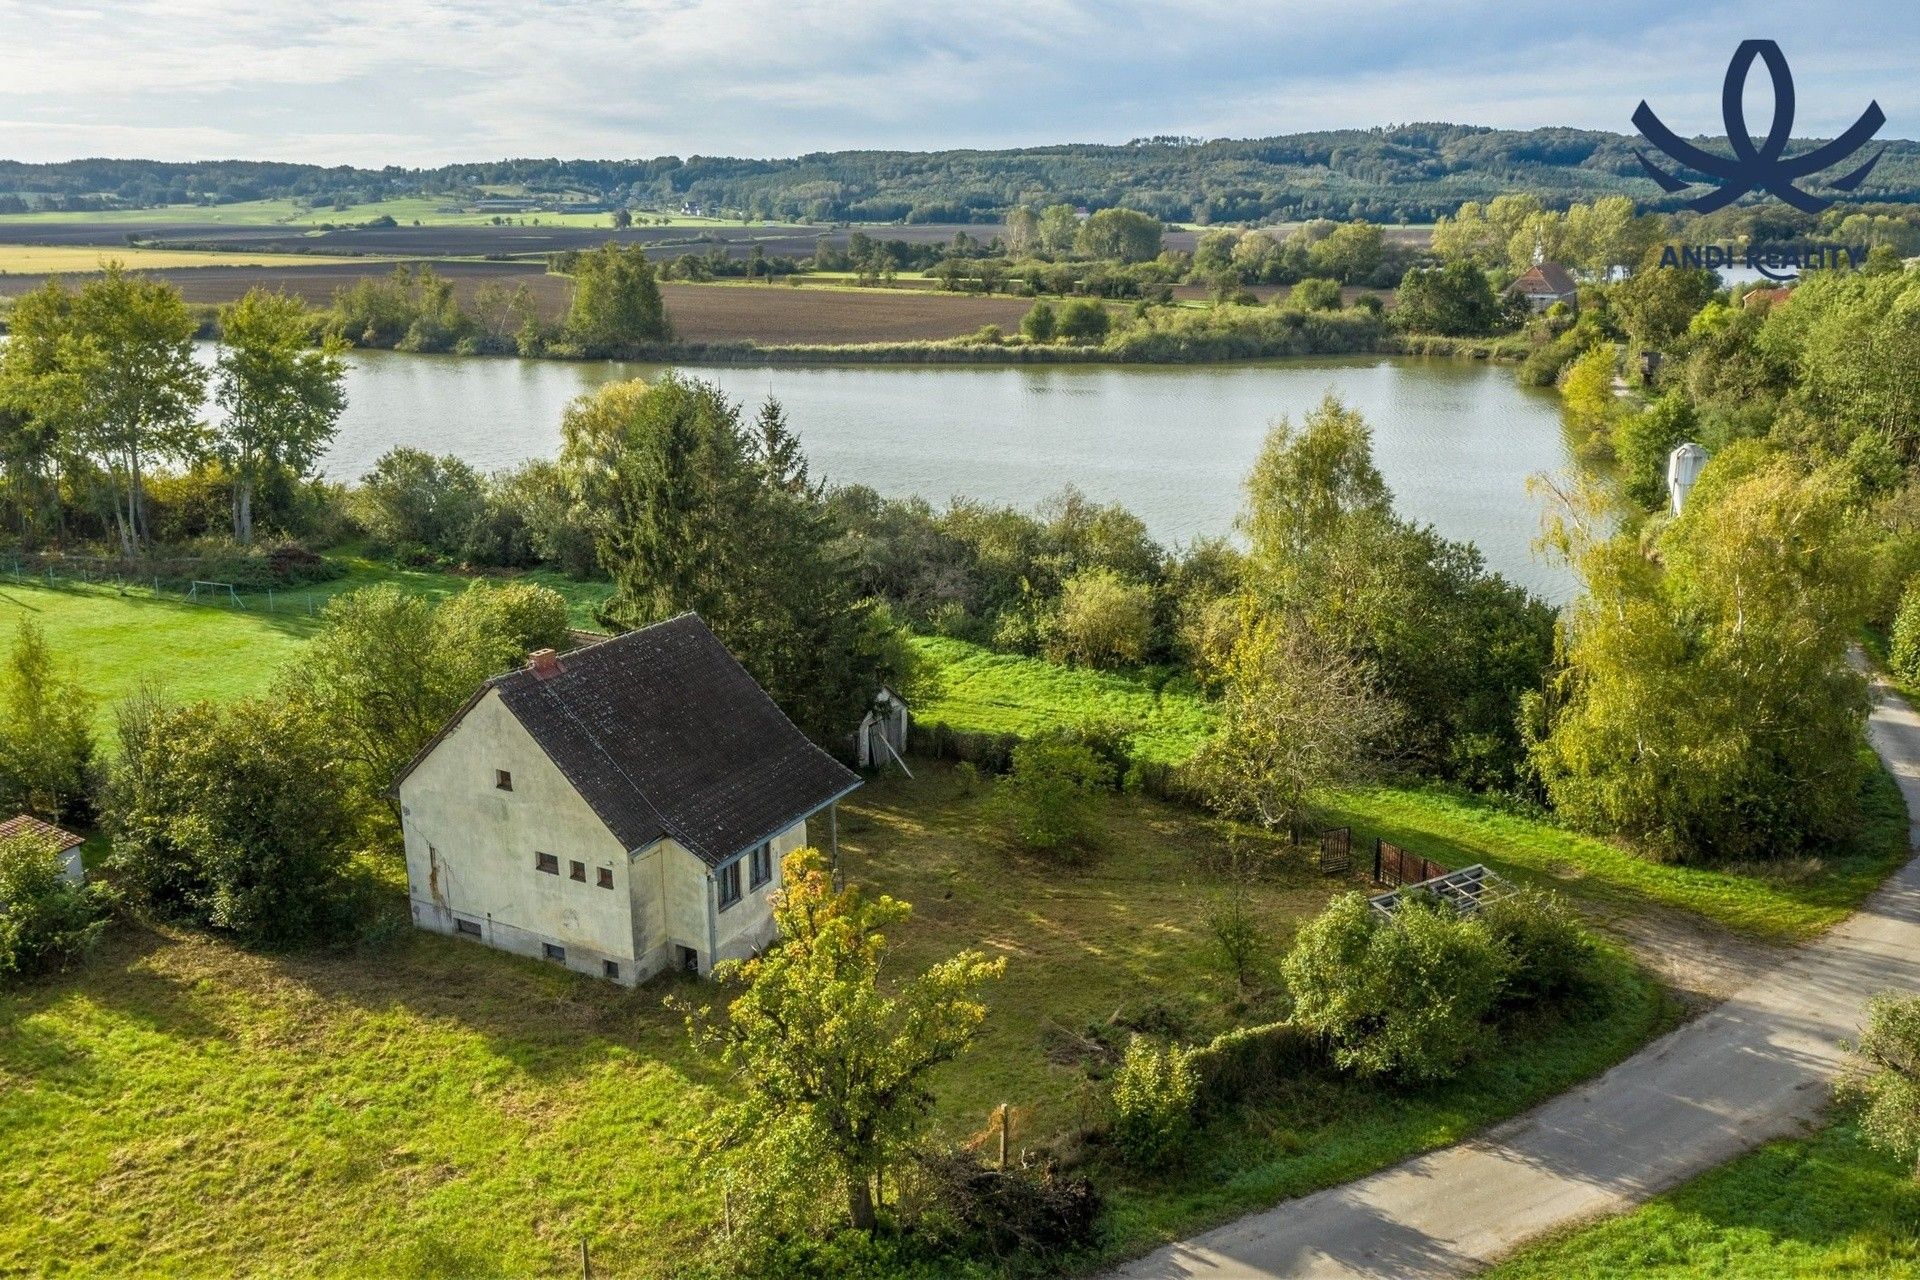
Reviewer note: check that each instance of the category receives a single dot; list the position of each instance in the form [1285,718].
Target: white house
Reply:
[62,841]
[615,809]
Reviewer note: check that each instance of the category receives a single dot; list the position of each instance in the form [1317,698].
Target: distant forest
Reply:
[1409,173]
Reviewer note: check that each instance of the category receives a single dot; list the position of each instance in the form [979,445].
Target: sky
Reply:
[427,82]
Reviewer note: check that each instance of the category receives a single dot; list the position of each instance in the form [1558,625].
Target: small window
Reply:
[577,871]
[606,877]
[502,780]
[547,862]
[761,870]
[729,884]
[611,968]
[553,953]
[469,927]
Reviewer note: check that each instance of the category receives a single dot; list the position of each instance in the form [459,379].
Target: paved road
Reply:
[1751,1070]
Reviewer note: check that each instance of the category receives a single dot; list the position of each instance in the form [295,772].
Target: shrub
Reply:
[1903,652]
[1084,322]
[1883,1077]
[1103,621]
[1552,957]
[46,921]
[1238,937]
[46,732]
[232,816]
[1406,995]
[1040,324]
[1048,796]
[527,615]
[413,499]
[1315,294]
[1249,1062]
[1155,1092]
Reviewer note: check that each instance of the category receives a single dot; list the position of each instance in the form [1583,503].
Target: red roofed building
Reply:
[1545,283]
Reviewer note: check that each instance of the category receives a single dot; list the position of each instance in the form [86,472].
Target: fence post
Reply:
[1376,861]
[586,1266]
[1006,1121]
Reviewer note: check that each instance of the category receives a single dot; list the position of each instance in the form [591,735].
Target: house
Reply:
[1765,297]
[64,842]
[616,809]
[1545,283]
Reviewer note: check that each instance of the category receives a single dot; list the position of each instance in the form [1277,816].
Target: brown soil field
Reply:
[767,314]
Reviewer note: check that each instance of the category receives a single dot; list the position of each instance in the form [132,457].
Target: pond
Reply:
[1455,439]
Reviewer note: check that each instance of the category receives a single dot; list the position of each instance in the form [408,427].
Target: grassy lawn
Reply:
[986,692]
[1785,903]
[41,259]
[419,1106]
[113,642]
[1824,1205]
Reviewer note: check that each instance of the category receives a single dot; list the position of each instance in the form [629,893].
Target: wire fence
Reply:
[177,582]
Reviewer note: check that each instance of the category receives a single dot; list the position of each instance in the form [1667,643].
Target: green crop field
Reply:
[982,691]
[1826,1205]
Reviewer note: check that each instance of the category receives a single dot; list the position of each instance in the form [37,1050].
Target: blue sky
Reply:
[429,81]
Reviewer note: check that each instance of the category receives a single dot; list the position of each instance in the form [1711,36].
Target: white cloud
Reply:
[429,81]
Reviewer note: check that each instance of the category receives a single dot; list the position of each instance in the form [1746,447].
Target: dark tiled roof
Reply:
[664,734]
[27,825]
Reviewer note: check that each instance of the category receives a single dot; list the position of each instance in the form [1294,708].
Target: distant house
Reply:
[63,841]
[1765,297]
[617,809]
[1545,283]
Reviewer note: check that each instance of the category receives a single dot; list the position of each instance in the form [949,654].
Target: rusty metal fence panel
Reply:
[1395,866]
[1336,850]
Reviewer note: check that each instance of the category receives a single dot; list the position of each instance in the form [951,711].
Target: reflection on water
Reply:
[1456,440]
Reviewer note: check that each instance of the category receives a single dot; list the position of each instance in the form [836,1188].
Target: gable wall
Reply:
[470,849]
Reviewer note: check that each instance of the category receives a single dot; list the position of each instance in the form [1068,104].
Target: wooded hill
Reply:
[1408,173]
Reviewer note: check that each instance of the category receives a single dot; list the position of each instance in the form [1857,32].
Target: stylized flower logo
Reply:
[1763,168]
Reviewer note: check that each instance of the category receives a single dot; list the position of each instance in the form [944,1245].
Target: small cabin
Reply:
[62,841]
[1545,283]
[881,739]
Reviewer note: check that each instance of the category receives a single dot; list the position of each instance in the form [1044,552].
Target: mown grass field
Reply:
[413,1105]
[48,259]
[113,642]
[982,691]
[1826,1205]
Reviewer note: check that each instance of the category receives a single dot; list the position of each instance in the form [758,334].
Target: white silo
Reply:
[1684,466]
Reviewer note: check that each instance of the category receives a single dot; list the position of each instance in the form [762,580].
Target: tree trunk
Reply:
[860,1203]
[243,509]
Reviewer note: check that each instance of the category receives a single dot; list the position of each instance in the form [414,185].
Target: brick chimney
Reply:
[544,663]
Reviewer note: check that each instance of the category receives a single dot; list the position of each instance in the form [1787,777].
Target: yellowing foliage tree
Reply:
[835,1066]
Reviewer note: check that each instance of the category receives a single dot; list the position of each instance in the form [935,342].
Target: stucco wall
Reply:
[470,849]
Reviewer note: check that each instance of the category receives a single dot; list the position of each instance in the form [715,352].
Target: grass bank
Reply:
[982,691]
[1819,1206]
[115,640]
[1788,901]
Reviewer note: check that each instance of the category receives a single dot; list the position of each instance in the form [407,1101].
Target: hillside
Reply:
[1408,173]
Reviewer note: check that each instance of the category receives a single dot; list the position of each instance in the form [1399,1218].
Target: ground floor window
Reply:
[762,864]
[729,884]
[469,927]
[611,968]
[554,953]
